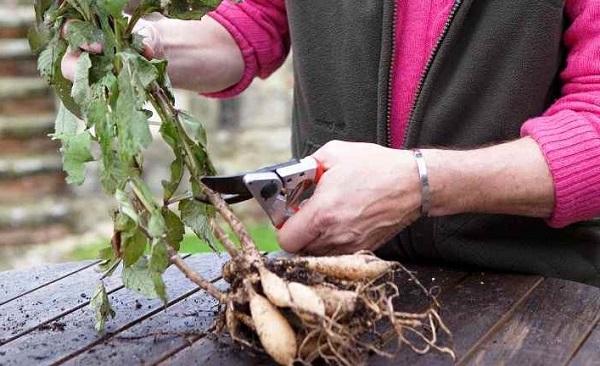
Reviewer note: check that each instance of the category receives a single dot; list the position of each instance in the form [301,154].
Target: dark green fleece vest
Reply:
[496,66]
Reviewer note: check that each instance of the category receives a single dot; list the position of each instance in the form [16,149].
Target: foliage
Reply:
[263,234]
[109,93]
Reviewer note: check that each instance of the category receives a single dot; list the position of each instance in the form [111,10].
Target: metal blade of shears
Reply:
[231,187]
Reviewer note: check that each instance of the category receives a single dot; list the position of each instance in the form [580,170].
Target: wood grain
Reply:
[470,310]
[19,283]
[545,330]
[589,353]
[496,318]
[76,331]
[27,312]
[149,340]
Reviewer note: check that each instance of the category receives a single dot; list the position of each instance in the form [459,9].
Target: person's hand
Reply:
[151,46]
[367,194]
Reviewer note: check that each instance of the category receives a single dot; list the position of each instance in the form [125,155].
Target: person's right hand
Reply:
[151,46]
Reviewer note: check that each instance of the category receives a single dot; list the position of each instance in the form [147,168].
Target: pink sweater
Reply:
[568,132]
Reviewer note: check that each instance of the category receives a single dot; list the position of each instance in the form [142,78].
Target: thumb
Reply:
[151,43]
[299,230]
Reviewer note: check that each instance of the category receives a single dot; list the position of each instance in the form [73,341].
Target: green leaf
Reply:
[133,130]
[126,206]
[163,78]
[159,259]
[202,160]
[38,36]
[156,225]
[75,153]
[81,84]
[41,8]
[100,304]
[169,134]
[189,9]
[82,7]
[106,254]
[108,267]
[175,228]
[110,261]
[193,128]
[123,222]
[81,33]
[148,6]
[170,186]
[133,244]
[140,278]
[66,124]
[141,69]
[113,171]
[112,7]
[196,216]
[159,287]
[49,62]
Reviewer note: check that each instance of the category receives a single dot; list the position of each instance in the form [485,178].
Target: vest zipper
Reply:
[391,75]
[436,48]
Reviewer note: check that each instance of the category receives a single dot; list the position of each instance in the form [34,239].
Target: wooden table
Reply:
[495,318]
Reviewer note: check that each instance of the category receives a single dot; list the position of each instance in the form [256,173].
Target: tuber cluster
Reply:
[336,309]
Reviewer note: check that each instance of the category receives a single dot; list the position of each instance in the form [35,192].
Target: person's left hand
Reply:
[367,194]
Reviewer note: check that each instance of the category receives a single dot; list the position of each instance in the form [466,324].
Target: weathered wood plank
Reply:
[49,302]
[545,330]
[19,283]
[589,353]
[74,333]
[219,350]
[470,309]
[148,341]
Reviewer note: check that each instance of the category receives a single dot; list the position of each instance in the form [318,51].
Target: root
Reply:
[195,277]
[299,312]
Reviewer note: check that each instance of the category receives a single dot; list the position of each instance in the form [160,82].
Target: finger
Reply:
[299,230]
[69,64]
[147,51]
[318,248]
[149,36]
[328,154]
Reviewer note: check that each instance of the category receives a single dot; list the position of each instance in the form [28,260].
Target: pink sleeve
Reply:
[569,131]
[261,31]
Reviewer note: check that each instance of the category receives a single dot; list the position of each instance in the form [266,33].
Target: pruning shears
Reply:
[279,189]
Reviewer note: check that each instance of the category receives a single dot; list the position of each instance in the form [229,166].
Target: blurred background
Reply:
[43,220]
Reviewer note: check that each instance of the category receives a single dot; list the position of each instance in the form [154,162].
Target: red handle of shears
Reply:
[318,173]
[320,170]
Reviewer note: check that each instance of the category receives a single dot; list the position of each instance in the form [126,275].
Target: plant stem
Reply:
[224,239]
[195,277]
[167,112]
[138,190]
[137,14]
[178,199]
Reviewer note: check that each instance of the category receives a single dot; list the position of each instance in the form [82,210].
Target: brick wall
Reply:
[34,200]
